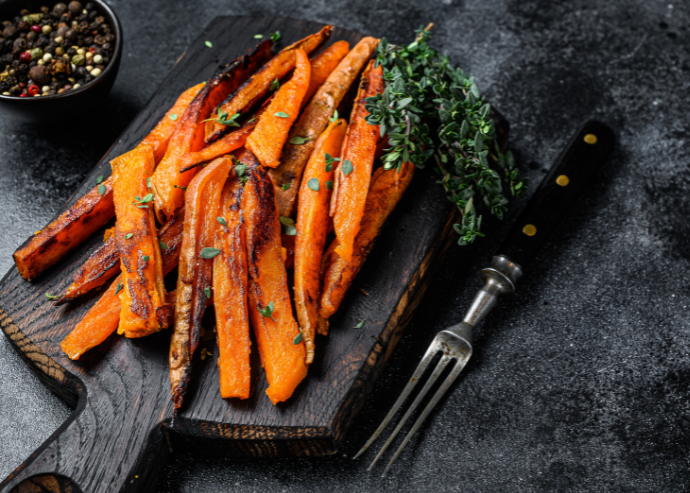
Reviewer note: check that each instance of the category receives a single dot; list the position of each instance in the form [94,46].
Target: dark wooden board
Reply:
[120,433]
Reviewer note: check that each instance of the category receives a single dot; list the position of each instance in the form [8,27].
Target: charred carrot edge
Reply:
[160,135]
[281,350]
[387,188]
[358,158]
[267,140]
[313,121]
[230,294]
[71,228]
[202,205]
[259,84]
[168,182]
[144,310]
[322,65]
[312,228]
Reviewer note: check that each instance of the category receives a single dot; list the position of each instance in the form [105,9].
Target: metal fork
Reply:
[584,155]
[455,346]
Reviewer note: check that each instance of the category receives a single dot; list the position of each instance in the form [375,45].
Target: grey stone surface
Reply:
[580,382]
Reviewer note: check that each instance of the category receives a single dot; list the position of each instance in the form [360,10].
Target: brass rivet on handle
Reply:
[563,180]
[591,139]
[530,230]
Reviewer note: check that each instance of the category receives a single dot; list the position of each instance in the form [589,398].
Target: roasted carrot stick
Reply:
[313,121]
[168,182]
[312,227]
[322,65]
[202,206]
[144,310]
[259,84]
[267,140]
[278,337]
[93,210]
[387,187]
[160,135]
[230,294]
[104,317]
[354,174]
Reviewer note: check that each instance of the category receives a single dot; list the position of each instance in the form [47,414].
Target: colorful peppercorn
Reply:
[33,90]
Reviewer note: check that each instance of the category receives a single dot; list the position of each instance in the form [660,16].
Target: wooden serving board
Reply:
[120,432]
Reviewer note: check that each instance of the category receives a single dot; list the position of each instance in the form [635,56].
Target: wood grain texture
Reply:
[120,433]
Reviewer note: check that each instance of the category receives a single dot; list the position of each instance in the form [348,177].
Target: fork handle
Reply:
[584,155]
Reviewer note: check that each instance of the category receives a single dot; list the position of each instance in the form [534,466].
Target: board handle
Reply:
[96,450]
[584,155]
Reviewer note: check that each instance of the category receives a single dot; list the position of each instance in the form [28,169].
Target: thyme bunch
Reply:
[430,109]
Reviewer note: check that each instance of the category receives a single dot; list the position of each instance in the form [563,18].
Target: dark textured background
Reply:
[579,382]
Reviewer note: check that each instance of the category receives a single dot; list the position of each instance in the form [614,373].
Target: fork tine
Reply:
[459,365]
[430,353]
[429,383]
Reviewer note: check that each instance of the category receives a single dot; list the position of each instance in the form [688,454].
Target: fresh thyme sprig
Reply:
[425,92]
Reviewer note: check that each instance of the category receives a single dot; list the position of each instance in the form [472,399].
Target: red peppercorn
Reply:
[36,28]
[23,95]
[22,84]
[25,57]
[33,90]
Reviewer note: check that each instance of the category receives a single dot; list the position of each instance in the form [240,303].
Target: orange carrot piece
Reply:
[104,317]
[277,334]
[313,122]
[144,310]
[267,140]
[160,135]
[259,84]
[202,206]
[354,174]
[168,182]
[322,65]
[230,294]
[387,187]
[312,228]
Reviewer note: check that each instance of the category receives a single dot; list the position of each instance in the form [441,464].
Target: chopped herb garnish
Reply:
[146,258]
[224,119]
[347,167]
[208,252]
[288,226]
[282,114]
[99,180]
[240,168]
[181,188]
[162,245]
[329,162]
[313,183]
[207,292]
[298,337]
[145,200]
[335,116]
[286,187]
[258,36]
[101,189]
[360,325]
[267,312]
[249,121]
[119,287]
[208,44]
[128,236]
[329,185]
[222,221]
[275,85]
[52,297]
[275,36]
[298,141]
[148,182]
[173,117]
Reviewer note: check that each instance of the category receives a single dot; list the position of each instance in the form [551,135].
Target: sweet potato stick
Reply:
[168,182]
[144,310]
[313,121]
[278,337]
[267,140]
[387,187]
[104,317]
[92,211]
[322,65]
[230,295]
[259,84]
[202,206]
[354,174]
[312,227]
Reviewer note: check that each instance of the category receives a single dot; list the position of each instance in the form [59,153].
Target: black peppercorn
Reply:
[60,8]
[71,51]
[8,58]
[4,86]
[88,40]
[66,18]
[106,47]
[30,37]
[45,10]
[24,12]
[93,14]
[74,8]
[81,72]
[19,45]
[40,74]
[9,32]
[109,38]
[22,26]
[89,7]
[16,90]
[100,40]
[42,42]
[70,34]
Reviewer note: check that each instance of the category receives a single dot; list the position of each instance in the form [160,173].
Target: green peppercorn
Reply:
[78,60]
[36,53]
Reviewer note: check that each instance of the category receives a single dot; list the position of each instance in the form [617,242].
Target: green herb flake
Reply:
[222,221]
[162,245]
[99,180]
[286,187]
[347,167]
[146,258]
[240,168]
[335,116]
[258,36]
[282,114]
[173,117]
[313,183]
[101,189]
[119,287]
[224,119]
[208,44]
[360,325]
[288,226]
[275,85]
[207,292]
[268,311]
[298,141]
[275,36]
[145,200]
[148,182]
[52,297]
[128,236]
[329,185]
[298,338]
[208,252]
[181,188]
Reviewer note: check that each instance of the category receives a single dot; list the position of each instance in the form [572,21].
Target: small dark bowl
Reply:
[72,104]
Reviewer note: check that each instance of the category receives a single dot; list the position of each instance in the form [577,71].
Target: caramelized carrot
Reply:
[144,310]
[277,335]
[230,294]
[312,227]
[267,140]
[354,174]
[160,135]
[168,182]
[387,187]
[322,65]
[104,317]
[313,122]
[202,206]
[259,84]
